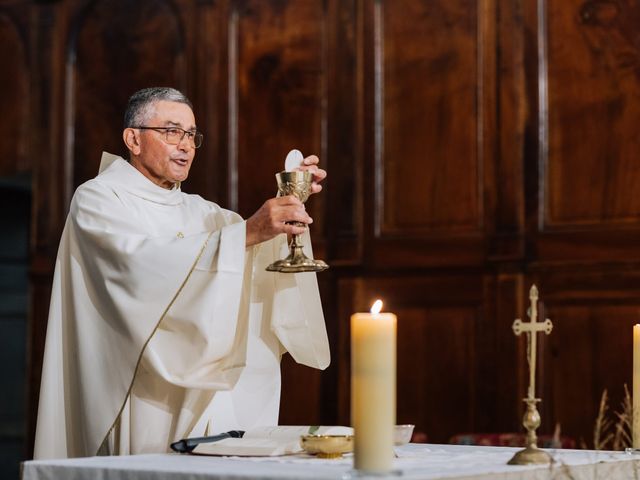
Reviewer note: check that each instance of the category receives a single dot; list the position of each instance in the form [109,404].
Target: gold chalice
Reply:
[297,183]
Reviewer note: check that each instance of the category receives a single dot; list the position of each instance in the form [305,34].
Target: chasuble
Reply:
[163,324]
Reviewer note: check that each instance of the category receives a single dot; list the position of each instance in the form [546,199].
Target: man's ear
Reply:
[132,140]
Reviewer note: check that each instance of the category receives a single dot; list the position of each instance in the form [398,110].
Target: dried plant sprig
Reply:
[556,440]
[583,444]
[622,438]
[601,432]
[613,434]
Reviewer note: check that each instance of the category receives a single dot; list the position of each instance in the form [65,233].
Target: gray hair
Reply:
[141,104]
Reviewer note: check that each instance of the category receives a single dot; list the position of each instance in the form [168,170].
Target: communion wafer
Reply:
[294,160]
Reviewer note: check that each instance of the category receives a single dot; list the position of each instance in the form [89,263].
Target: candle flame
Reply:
[377,306]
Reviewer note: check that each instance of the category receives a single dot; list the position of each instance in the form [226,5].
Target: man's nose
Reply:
[185,144]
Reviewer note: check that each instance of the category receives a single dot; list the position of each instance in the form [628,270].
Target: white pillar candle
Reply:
[635,429]
[373,388]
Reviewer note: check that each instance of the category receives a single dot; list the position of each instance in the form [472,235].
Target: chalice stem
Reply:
[295,239]
[296,254]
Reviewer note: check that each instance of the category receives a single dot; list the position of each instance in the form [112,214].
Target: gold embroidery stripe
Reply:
[144,346]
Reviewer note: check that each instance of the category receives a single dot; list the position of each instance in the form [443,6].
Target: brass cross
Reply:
[532,328]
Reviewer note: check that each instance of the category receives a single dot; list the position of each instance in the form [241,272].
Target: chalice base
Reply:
[530,456]
[297,262]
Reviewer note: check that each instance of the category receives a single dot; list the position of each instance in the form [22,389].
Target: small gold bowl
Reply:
[327,446]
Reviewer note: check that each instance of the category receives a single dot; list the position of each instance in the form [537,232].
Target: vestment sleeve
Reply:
[296,311]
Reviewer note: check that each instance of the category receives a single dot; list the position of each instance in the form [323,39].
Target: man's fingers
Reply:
[281,212]
[291,229]
[288,200]
[310,164]
[318,175]
[311,160]
[295,216]
[277,215]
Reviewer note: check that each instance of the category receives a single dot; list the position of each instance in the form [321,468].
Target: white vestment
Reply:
[162,323]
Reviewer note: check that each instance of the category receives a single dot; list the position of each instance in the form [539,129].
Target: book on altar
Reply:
[267,441]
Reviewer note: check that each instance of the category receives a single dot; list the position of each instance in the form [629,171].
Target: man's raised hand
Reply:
[311,164]
[270,219]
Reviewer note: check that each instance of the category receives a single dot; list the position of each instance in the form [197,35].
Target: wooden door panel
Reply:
[593,68]
[436,360]
[14,97]
[430,170]
[439,318]
[445,111]
[430,80]
[589,350]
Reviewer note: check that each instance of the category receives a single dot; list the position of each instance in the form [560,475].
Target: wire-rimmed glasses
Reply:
[174,135]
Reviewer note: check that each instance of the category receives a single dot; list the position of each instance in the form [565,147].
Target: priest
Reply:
[163,322]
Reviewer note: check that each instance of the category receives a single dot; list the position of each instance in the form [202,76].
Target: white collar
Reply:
[118,172]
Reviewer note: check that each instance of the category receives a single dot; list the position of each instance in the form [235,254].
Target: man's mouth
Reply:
[183,162]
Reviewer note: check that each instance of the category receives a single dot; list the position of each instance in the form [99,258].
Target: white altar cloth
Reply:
[415,461]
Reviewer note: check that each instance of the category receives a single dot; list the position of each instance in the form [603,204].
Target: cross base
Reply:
[530,456]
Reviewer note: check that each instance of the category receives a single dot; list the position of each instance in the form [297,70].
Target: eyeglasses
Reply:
[174,135]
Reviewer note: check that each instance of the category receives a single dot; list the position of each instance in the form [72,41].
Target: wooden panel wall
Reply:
[587,140]
[593,71]
[14,92]
[15,195]
[583,223]
[151,41]
[435,310]
[425,131]
[474,147]
[427,86]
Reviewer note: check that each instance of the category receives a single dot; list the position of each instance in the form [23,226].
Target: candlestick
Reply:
[373,388]
[635,429]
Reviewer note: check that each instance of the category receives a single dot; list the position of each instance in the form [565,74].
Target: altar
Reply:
[413,461]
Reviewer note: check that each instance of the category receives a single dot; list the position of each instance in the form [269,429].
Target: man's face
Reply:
[160,162]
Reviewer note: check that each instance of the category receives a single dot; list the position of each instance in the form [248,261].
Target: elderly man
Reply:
[163,322]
